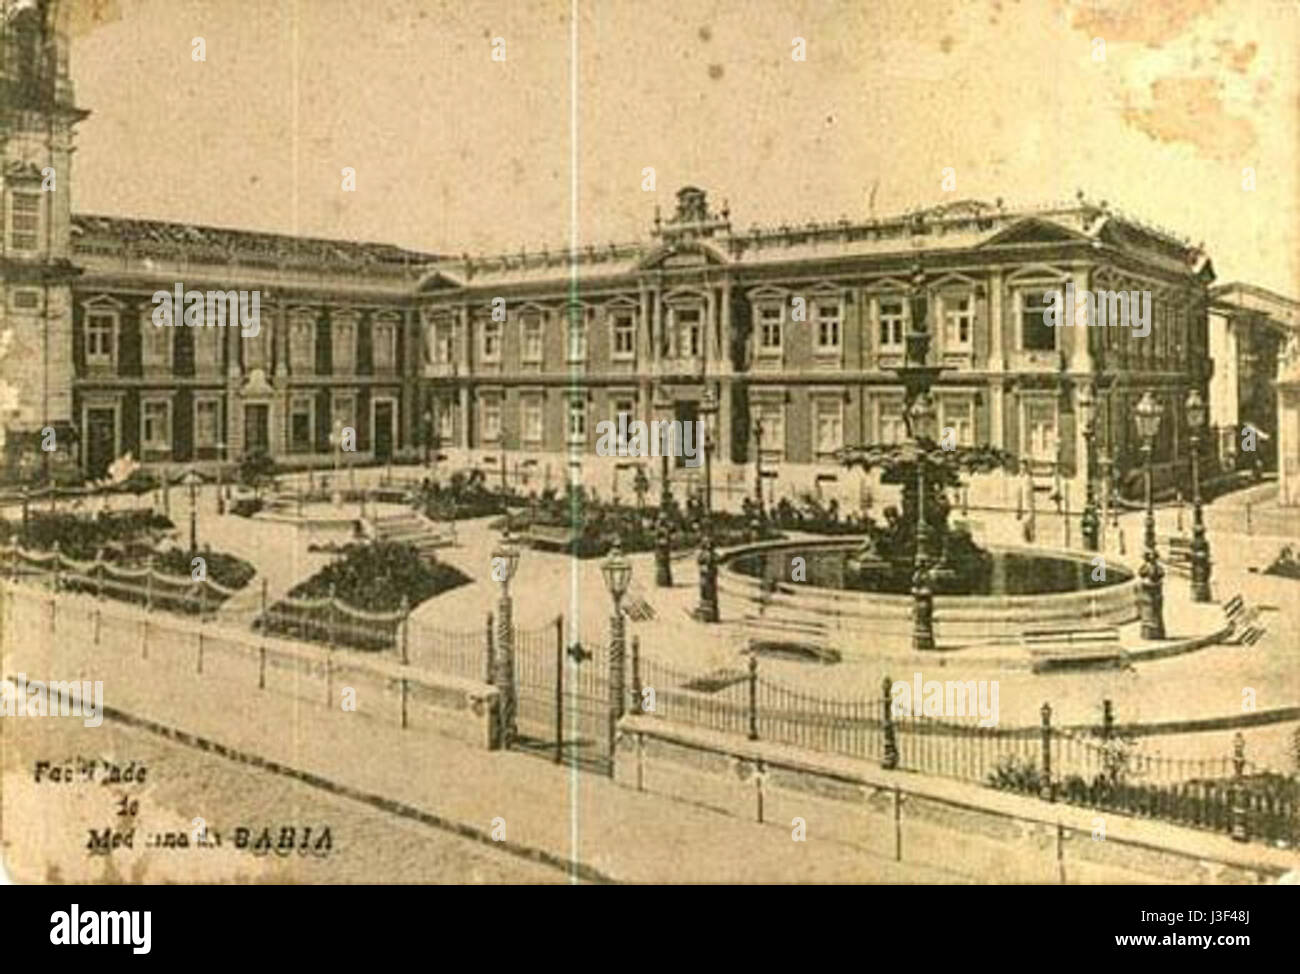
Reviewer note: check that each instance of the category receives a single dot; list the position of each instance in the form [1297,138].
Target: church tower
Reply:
[38,117]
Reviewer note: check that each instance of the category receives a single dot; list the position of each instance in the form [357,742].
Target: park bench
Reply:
[1065,648]
[1243,622]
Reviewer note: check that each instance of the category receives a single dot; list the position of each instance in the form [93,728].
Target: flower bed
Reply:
[359,599]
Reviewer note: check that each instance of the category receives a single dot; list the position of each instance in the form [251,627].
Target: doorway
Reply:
[257,428]
[383,426]
[101,441]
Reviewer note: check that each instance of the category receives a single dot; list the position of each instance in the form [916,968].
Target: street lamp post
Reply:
[922,414]
[194,508]
[758,465]
[1090,523]
[618,573]
[221,487]
[336,440]
[1196,417]
[707,610]
[663,529]
[1153,623]
[709,410]
[505,561]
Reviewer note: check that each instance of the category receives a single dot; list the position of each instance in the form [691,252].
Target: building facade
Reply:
[516,359]
[1249,330]
[800,326]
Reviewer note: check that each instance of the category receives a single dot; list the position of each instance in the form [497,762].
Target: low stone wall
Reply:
[957,619]
[73,636]
[976,832]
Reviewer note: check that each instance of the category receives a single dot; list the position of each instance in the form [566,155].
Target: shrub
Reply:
[1012,773]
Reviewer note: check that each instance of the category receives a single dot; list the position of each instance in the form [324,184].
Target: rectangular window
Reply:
[688,332]
[623,408]
[24,220]
[1039,436]
[302,416]
[829,425]
[344,411]
[769,329]
[101,328]
[302,343]
[207,422]
[532,338]
[577,421]
[828,327]
[447,421]
[959,416]
[624,334]
[578,336]
[383,344]
[892,425]
[441,338]
[343,344]
[491,412]
[155,345]
[491,340]
[27,299]
[156,424]
[1036,335]
[959,320]
[532,408]
[893,320]
[772,418]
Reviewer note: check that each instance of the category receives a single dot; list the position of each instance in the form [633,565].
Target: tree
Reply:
[256,470]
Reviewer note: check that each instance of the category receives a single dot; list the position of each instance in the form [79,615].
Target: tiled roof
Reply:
[162,237]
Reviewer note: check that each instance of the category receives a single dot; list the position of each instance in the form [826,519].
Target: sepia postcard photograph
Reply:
[697,442]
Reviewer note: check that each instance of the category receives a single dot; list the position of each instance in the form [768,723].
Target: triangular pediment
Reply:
[1034,230]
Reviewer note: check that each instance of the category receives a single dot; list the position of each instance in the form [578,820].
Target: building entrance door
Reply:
[257,428]
[383,429]
[685,411]
[101,436]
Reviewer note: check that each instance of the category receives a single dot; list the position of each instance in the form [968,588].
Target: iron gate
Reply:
[562,688]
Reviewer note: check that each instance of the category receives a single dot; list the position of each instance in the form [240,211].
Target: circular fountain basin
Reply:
[1026,588]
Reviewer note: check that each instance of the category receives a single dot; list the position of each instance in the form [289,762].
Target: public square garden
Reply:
[787,619]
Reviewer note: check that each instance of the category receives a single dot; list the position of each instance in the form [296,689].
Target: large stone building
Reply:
[1249,329]
[523,354]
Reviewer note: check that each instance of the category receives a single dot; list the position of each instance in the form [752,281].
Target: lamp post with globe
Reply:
[617,571]
[921,413]
[1153,624]
[1196,418]
[505,562]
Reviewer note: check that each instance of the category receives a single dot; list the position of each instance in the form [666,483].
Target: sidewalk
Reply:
[620,833]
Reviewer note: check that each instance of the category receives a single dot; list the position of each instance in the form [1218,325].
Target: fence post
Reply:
[559,688]
[264,619]
[148,584]
[1107,719]
[636,673]
[1045,789]
[1248,517]
[1240,827]
[329,682]
[753,696]
[406,623]
[404,692]
[491,637]
[54,592]
[261,668]
[329,622]
[99,591]
[890,759]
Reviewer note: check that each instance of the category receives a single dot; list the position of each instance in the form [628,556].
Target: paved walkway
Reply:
[620,833]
